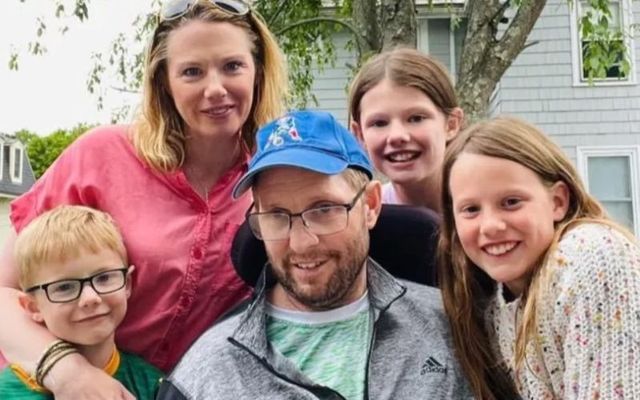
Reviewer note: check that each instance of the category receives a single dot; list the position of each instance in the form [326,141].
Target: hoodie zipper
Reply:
[268,366]
[373,336]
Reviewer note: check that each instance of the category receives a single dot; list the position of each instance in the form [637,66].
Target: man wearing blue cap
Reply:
[334,325]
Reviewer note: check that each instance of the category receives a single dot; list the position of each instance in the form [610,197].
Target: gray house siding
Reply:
[598,126]
[10,187]
[539,87]
[330,85]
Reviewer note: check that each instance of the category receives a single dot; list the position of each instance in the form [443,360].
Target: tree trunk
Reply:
[398,23]
[489,50]
[365,20]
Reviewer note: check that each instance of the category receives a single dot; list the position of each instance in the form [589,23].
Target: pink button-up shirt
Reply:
[180,244]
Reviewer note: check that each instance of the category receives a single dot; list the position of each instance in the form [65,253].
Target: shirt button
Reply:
[197,254]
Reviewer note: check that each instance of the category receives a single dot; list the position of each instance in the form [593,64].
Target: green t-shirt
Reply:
[139,377]
[329,347]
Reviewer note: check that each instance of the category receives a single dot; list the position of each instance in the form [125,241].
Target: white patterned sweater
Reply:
[588,321]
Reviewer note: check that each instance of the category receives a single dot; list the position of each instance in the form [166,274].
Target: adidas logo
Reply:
[432,366]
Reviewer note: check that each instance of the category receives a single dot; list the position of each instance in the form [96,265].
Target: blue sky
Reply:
[49,92]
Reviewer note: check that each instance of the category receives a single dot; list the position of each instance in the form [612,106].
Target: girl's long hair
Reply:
[466,289]
[404,67]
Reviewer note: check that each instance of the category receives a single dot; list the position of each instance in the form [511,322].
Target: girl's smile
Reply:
[504,216]
[404,132]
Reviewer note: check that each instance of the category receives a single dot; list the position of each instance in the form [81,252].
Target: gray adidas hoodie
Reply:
[410,357]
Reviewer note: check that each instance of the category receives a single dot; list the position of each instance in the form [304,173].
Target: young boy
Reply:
[76,281]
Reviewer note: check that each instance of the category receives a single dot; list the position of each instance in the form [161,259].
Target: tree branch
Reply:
[532,43]
[328,20]
[515,36]
[124,90]
[367,19]
[497,17]
[480,37]
[276,14]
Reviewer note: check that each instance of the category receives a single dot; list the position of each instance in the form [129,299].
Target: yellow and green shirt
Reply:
[139,377]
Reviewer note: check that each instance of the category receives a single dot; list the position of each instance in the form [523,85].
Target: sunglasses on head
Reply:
[177,8]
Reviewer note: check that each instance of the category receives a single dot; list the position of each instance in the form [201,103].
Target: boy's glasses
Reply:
[323,220]
[66,290]
[177,8]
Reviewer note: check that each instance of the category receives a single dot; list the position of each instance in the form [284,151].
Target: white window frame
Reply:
[576,47]
[2,144]
[16,177]
[583,154]
[423,41]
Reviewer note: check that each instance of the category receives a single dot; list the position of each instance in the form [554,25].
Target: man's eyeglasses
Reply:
[177,8]
[66,290]
[323,220]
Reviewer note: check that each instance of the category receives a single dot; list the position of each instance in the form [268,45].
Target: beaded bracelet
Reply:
[51,361]
[52,354]
[46,352]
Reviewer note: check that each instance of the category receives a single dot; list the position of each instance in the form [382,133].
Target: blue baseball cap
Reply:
[312,140]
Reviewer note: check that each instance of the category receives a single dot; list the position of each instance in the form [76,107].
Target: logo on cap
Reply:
[286,128]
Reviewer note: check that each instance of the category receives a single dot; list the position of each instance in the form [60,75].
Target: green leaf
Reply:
[13,62]
[59,10]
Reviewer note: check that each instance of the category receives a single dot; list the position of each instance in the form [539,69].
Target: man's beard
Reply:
[349,264]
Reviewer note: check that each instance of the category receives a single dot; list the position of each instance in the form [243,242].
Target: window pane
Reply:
[614,7]
[439,43]
[16,162]
[615,23]
[609,178]
[621,212]
[7,155]
[614,70]
[610,182]
[458,37]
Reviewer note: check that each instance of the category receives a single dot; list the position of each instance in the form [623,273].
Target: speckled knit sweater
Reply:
[588,321]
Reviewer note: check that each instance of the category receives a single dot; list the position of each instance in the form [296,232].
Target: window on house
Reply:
[16,161]
[6,159]
[442,39]
[618,68]
[2,158]
[611,176]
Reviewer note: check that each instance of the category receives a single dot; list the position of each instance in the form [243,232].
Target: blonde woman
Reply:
[213,74]
[541,288]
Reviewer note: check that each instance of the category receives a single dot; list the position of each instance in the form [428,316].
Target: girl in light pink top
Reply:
[403,108]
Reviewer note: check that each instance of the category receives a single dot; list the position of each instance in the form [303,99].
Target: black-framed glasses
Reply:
[177,8]
[322,220]
[66,290]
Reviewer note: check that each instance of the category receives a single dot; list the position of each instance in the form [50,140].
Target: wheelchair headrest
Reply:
[404,242]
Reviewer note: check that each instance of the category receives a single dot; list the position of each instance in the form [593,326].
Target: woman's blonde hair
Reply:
[404,67]
[159,135]
[62,234]
[466,289]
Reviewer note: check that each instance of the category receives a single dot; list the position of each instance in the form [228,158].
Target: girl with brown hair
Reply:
[403,108]
[539,285]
